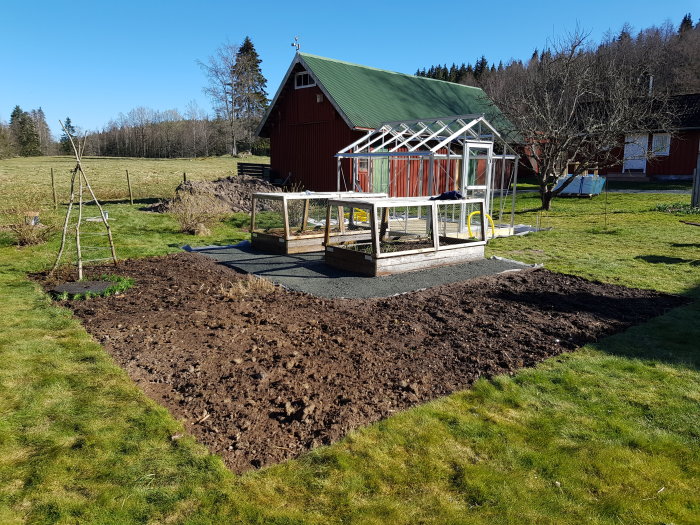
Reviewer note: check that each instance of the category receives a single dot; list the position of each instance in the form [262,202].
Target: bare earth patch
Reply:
[260,376]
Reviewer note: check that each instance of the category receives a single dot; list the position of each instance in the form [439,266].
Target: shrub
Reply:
[26,232]
[194,212]
[246,286]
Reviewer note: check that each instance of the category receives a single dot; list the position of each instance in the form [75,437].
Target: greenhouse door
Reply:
[380,174]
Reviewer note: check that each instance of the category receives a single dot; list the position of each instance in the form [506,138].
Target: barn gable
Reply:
[366,97]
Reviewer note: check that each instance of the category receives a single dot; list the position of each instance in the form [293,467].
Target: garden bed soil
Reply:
[260,376]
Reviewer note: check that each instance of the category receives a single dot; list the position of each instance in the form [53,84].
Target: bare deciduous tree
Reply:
[220,70]
[573,105]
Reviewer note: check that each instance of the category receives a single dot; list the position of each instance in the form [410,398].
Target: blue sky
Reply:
[92,60]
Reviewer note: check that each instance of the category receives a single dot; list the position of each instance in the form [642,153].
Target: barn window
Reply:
[661,144]
[363,164]
[304,80]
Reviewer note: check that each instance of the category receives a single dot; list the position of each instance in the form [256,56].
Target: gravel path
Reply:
[308,273]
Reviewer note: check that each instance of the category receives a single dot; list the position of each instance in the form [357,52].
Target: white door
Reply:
[635,153]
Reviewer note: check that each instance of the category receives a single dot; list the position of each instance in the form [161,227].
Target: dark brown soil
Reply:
[262,376]
[235,192]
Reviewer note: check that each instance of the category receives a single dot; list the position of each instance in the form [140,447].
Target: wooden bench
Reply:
[254,170]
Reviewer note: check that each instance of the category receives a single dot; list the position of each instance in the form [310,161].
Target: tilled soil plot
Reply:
[260,376]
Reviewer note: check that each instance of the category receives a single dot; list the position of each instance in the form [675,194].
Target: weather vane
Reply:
[296,43]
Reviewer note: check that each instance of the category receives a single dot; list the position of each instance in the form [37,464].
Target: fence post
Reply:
[184,177]
[128,183]
[53,189]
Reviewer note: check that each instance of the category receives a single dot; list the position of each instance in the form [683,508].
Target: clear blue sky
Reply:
[93,60]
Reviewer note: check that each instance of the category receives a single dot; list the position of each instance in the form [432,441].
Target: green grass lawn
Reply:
[607,434]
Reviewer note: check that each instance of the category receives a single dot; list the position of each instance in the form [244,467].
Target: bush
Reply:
[195,212]
[26,231]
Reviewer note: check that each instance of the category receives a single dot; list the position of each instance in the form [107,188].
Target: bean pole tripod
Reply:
[83,183]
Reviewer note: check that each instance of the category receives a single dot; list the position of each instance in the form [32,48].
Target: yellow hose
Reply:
[469,223]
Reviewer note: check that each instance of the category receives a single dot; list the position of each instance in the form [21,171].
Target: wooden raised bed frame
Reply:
[445,250]
[302,241]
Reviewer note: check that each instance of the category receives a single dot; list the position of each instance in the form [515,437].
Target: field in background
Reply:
[606,434]
[28,180]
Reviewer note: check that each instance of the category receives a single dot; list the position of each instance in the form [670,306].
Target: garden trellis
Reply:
[83,183]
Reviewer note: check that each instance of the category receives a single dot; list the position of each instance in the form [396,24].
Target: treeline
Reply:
[144,132]
[679,72]
[236,87]
[27,134]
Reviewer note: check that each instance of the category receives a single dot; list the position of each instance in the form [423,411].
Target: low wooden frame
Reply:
[453,248]
[302,240]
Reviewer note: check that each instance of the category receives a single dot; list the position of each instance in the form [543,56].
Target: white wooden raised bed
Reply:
[407,234]
[295,222]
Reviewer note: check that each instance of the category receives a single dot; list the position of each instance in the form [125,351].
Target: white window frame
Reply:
[312,80]
[661,144]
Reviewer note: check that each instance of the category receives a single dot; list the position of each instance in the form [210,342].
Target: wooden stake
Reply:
[184,177]
[128,183]
[305,219]
[77,230]
[65,223]
[53,189]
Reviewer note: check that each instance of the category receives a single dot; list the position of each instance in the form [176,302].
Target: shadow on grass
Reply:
[629,308]
[670,338]
[142,202]
[662,259]
[685,244]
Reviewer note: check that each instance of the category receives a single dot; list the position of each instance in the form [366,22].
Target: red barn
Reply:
[323,105]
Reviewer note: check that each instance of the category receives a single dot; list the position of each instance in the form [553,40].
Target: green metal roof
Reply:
[368,96]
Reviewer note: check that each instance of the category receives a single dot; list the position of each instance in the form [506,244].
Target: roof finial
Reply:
[296,43]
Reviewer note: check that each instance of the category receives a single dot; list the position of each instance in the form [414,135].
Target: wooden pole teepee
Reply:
[83,182]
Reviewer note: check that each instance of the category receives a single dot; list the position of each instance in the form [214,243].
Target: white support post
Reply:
[339,174]
[431,174]
[435,225]
[463,190]
[489,180]
[502,199]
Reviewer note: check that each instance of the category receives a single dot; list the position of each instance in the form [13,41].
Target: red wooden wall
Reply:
[305,133]
[681,160]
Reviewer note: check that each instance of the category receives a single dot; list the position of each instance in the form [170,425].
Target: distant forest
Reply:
[236,88]
[678,72]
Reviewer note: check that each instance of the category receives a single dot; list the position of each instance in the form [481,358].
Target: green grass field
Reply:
[607,434]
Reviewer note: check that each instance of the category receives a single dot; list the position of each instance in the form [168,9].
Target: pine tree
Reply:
[42,129]
[23,132]
[480,67]
[250,97]
[65,147]
[686,24]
